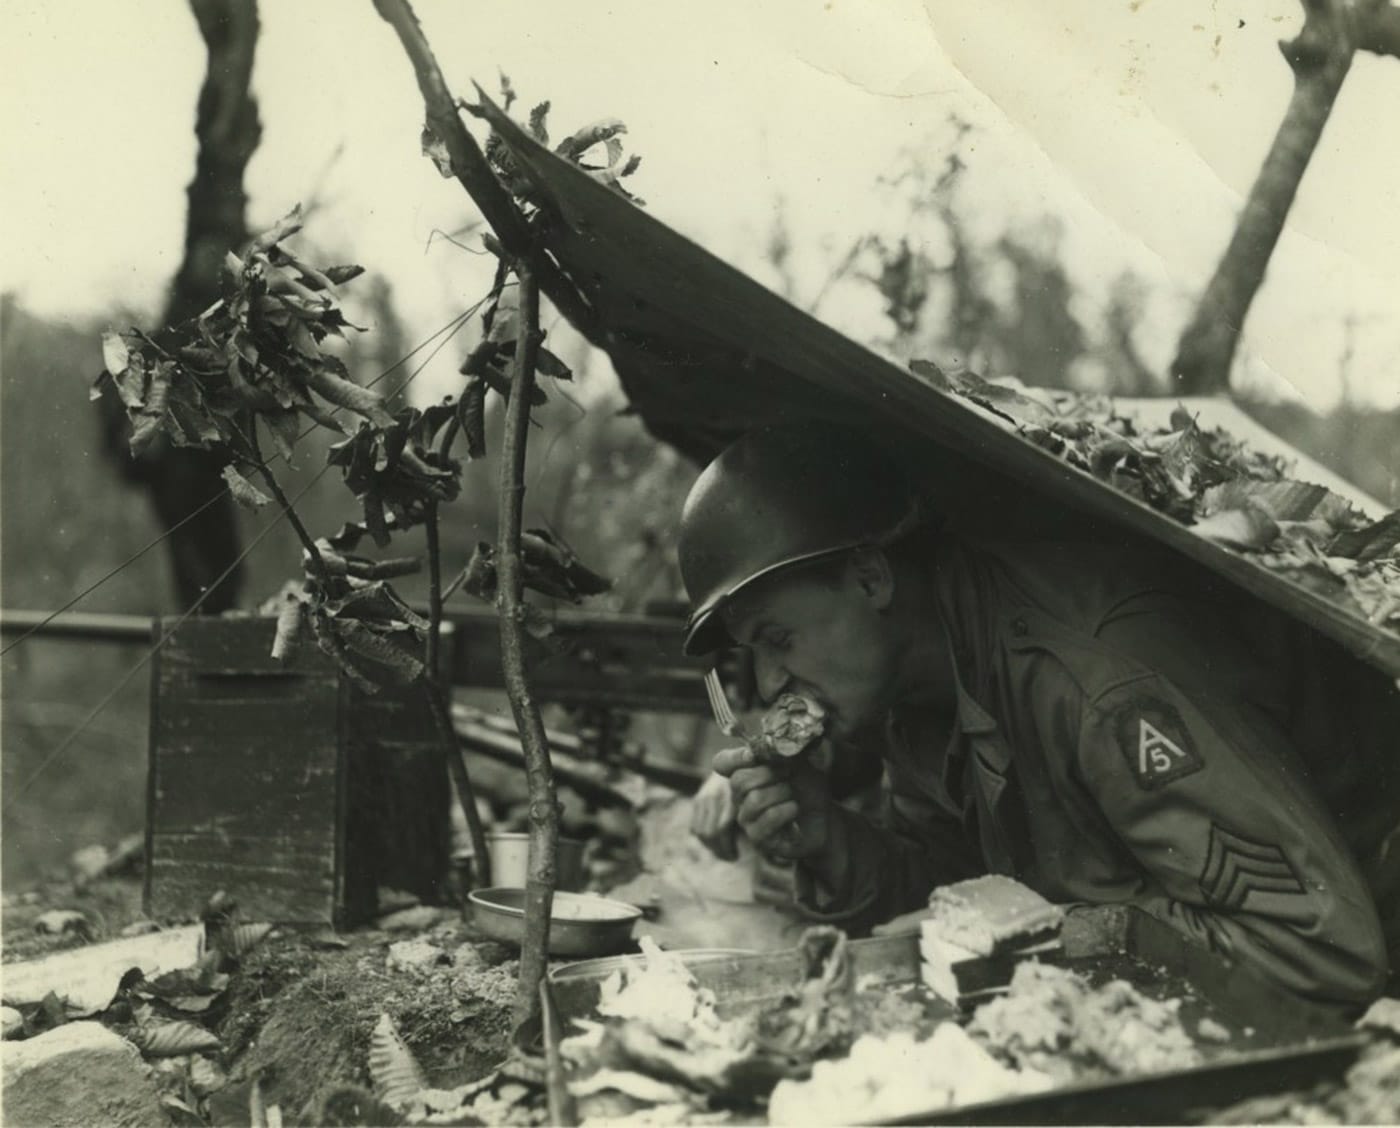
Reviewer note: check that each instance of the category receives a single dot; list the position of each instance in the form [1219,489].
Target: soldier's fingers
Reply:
[775,819]
[751,779]
[729,760]
[712,816]
[757,801]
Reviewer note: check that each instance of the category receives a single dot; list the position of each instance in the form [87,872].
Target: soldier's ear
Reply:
[873,575]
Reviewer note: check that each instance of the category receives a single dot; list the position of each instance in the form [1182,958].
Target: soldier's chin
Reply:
[838,724]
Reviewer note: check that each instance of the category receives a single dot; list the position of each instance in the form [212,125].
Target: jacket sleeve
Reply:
[1236,849]
[870,872]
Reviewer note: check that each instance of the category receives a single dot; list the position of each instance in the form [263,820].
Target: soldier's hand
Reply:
[712,818]
[771,797]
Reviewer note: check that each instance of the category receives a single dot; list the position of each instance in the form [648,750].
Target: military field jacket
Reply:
[1118,738]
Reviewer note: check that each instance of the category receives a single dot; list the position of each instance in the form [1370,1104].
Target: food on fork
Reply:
[793,724]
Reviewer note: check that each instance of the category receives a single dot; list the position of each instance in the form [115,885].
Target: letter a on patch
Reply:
[1156,743]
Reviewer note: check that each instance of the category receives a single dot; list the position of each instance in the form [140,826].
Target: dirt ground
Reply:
[298,1009]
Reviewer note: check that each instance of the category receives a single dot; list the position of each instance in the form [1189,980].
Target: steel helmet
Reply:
[783,495]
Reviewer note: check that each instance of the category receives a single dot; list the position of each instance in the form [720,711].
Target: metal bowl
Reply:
[599,968]
[579,924]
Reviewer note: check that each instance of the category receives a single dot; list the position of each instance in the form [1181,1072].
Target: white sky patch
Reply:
[1138,124]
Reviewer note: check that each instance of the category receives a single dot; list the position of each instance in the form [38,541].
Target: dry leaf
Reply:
[243,938]
[206,1077]
[115,355]
[244,492]
[435,149]
[395,1073]
[290,621]
[1249,528]
[175,1038]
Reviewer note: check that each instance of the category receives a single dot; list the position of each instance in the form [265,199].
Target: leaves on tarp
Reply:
[1248,528]
[606,133]
[548,566]
[539,130]
[172,1039]
[1229,494]
[573,147]
[579,148]
[1371,543]
[261,347]
[394,1071]
[435,149]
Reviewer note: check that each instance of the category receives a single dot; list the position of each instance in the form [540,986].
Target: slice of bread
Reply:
[977,932]
[990,914]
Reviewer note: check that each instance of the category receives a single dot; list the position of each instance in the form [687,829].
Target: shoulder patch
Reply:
[1155,742]
[1237,866]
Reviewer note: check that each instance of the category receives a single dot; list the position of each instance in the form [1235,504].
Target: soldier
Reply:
[1095,720]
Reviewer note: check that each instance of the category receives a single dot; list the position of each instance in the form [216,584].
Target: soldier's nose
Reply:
[769,678]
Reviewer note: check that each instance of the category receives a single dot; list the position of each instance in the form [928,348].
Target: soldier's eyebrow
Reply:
[740,617]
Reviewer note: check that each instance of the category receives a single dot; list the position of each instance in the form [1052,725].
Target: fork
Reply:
[730,725]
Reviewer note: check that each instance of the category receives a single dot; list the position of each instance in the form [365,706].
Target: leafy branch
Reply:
[259,357]
[504,198]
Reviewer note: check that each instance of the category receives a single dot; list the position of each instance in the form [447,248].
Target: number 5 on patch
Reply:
[1155,743]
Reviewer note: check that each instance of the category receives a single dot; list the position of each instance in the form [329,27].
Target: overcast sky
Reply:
[1137,124]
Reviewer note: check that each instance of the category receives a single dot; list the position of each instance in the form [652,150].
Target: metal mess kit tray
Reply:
[1276,1042]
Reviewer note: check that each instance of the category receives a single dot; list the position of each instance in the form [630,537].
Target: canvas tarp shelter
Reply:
[704,352]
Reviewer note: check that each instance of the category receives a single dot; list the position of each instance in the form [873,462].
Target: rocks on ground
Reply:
[79,1075]
[300,1017]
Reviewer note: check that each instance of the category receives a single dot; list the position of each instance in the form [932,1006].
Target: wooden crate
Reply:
[284,785]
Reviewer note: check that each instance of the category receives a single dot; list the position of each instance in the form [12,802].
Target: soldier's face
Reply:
[827,634]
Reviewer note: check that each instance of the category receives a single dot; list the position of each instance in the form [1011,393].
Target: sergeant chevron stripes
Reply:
[1237,866]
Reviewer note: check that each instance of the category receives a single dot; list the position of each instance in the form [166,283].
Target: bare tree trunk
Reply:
[539,773]
[1320,56]
[180,480]
[228,130]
